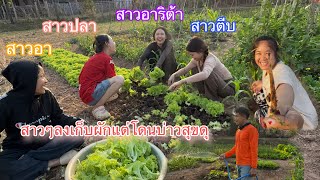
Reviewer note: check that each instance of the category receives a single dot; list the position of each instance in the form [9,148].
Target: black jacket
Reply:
[21,107]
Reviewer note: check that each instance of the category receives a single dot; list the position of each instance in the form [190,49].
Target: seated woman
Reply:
[162,48]
[30,103]
[98,82]
[210,76]
[293,107]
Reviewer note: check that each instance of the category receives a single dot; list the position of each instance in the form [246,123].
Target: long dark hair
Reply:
[168,35]
[196,44]
[99,42]
[272,43]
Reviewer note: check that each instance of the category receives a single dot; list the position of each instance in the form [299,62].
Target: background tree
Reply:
[8,11]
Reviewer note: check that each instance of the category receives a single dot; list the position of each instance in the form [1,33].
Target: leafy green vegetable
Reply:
[286,150]
[157,90]
[156,112]
[215,125]
[145,82]
[156,74]
[136,74]
[126,85]
[125,158]
[179,119]
[132,92]
[174,108]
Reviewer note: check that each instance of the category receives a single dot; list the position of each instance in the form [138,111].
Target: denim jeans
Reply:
[244,170]
[99,91]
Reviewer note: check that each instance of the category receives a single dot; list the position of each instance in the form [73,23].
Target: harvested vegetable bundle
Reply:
[119,158]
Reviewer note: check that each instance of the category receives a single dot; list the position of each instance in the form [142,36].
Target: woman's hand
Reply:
[171,80]
[176,85]
[256,86]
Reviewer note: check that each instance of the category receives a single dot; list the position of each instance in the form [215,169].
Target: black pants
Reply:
[20,164]
[214,87]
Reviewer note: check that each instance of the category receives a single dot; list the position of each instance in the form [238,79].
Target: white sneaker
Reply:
[113,97]
[65,158]
[100,113]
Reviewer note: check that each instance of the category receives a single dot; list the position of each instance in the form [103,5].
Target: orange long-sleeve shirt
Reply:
[246,147]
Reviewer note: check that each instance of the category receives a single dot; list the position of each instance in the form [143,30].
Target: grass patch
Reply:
[182,162]
[298,172]
[268,164]
[217,174]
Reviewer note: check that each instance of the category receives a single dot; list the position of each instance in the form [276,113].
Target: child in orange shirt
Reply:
[246,144]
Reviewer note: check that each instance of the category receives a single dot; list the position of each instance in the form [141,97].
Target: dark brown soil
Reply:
[127,108]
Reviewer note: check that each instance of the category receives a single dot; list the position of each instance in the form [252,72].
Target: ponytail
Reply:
[205,54]
[198,45]
[100,42]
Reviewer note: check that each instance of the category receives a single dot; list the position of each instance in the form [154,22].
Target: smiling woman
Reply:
[291,107]
[160,53]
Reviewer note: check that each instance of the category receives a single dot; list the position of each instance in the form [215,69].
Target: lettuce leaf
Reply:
[119,158]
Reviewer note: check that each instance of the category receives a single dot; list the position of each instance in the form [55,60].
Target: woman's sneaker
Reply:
[100,113]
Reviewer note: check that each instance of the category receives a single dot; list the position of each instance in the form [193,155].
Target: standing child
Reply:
[98,82]
[246,144]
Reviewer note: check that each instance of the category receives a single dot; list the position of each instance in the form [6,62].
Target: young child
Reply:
[30,103]
[98,82]
[246,144]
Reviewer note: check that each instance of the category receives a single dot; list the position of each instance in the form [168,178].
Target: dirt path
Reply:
[308,141]
[309,144]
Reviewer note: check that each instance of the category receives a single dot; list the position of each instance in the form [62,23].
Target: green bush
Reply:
[86,44]
[313,84]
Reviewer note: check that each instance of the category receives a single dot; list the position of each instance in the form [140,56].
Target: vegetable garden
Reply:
[146,98]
